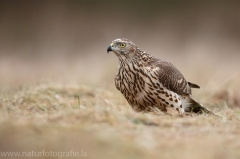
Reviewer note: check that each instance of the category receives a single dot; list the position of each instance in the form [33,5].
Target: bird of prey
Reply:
[150,84]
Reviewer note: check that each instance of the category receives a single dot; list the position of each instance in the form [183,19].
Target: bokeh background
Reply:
[57,89]
[66,41]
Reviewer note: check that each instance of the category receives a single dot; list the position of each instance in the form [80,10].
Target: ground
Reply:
[98,123]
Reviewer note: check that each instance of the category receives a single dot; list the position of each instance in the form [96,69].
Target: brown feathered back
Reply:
[170,77]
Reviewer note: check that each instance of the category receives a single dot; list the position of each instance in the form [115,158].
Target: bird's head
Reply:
[122,47]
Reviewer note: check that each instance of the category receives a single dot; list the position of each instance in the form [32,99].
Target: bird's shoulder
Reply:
[162,65]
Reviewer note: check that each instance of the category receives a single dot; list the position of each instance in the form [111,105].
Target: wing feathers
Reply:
[171,78]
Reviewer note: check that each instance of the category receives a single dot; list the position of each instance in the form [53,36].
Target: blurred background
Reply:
[66,41]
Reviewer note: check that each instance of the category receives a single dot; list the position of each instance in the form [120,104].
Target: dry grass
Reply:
[60,117]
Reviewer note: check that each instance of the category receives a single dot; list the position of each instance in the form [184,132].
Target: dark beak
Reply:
[109,48]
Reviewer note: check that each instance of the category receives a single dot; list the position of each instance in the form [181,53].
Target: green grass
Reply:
[61,118]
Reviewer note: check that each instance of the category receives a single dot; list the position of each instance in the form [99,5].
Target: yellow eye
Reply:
[122,45]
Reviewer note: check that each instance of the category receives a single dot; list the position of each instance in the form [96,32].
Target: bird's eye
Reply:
[122,45]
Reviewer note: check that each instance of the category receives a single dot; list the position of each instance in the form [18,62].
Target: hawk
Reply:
[150,84]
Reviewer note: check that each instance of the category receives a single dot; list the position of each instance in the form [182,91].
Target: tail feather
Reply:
[200,109]
[190,105]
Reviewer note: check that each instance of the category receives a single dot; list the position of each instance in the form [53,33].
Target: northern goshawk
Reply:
[151,84]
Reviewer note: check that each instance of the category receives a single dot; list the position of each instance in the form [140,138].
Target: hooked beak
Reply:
[109,48]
